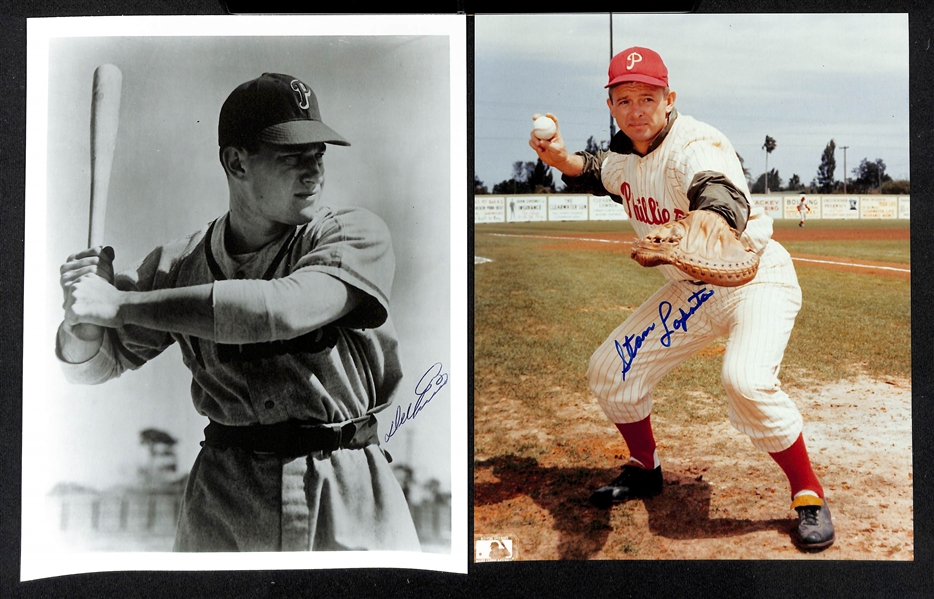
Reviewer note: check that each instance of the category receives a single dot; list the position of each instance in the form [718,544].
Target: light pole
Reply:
[612,124]
[766,170]
[844,169]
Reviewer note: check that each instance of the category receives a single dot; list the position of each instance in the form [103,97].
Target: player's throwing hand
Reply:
[551,151]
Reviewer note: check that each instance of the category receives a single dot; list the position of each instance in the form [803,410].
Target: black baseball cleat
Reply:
[815,528]
[632,483]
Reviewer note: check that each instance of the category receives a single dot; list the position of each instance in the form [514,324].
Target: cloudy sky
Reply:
[801,79]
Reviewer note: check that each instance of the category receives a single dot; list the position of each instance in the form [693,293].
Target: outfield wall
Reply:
[571,207]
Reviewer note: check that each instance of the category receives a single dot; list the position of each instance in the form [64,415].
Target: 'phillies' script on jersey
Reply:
[646,210]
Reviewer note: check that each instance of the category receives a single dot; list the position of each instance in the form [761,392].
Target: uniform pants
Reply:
[757,317]
[348,499]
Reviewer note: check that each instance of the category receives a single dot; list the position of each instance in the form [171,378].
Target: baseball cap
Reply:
[638,64]
[274,108]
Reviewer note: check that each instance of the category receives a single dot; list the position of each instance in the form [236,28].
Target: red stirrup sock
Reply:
[795,463]
[640,441]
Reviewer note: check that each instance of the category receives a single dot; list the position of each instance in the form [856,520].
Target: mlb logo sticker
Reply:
[494,549]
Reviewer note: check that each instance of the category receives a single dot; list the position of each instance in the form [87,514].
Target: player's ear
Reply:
[233,158]
[670,100]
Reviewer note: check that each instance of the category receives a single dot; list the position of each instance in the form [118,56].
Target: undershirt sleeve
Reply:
[102,367]
[712,191]
[589,181]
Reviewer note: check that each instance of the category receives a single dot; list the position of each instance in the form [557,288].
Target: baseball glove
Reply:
[702,245]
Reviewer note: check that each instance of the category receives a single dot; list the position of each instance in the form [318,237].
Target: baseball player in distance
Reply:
[281,310]
[661,166]
[803,209]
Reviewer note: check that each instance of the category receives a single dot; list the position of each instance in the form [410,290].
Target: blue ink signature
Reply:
[426,390]
[632,350]
[681,322]
[631,344]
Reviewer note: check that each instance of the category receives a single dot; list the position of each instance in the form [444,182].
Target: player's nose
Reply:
[312,170]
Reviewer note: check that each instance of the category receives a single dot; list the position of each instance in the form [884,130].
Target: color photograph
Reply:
[692,288]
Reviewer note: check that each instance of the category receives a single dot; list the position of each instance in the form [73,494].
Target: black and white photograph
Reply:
[245,305]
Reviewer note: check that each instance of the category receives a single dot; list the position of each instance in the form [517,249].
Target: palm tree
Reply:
[768,146]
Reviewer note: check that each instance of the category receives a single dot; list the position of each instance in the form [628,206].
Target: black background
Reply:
[616,579]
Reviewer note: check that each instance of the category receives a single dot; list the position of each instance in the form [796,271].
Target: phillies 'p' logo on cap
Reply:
[638,64]
[276,109]
[633,58]
[302,92]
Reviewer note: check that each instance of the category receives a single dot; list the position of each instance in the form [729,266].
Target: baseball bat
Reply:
[105,117]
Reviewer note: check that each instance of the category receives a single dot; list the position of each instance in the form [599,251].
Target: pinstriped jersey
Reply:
[653,188]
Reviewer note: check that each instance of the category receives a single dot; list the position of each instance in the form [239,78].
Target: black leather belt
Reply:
[292,438]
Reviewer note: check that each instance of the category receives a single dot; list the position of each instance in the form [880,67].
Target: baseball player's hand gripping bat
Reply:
[105,117]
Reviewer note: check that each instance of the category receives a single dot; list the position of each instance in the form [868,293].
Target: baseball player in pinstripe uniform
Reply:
[281,310]
[660,166]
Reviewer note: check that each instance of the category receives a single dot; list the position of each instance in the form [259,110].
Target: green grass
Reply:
[792,223]
[540,313]
[851,321]
[884,251]
[564,228]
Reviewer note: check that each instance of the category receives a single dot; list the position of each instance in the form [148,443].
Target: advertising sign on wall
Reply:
[771,204]
[840,206]
[904,205]
[791,206]
[878,207]
[567,207]
[524,209]
[603,208]
[489,209]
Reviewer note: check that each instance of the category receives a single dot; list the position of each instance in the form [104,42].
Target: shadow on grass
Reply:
[681,512]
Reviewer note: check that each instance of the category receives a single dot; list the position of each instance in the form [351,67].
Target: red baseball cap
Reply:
[638,64]
[274,108]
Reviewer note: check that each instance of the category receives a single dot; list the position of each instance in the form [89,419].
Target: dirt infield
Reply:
[722,498]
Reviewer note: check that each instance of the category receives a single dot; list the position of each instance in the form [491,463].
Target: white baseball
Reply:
[544,128]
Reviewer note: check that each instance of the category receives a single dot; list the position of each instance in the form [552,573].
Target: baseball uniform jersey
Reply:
[689,166]
[252,374]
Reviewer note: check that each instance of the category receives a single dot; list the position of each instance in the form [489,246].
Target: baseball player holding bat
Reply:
[661,167]
[281,309]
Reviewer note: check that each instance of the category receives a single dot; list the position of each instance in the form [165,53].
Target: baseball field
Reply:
[547,294]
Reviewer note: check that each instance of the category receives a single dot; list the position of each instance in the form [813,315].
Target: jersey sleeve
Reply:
[129,347]
[353,246]
[356,248]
